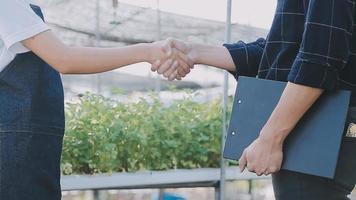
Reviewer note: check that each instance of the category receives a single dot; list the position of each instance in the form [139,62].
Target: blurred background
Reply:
[108,23]
[110,115]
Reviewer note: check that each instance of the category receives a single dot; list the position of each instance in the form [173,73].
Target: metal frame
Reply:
[158,83]
[97,40]
[207,177]
[224,106]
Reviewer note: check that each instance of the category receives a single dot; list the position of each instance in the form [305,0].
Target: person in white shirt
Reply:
[25,31]
[31,95]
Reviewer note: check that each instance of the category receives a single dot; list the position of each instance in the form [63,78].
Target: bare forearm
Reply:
[217,56]
[94,60]
[86,60]
[294,103]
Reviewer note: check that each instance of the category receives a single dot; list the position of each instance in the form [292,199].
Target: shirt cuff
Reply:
[239,54]
[13,41]
[312,74]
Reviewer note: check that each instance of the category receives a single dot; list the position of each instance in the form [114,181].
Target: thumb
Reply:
[155,65]
[243,161]
[167,47]
[180,45]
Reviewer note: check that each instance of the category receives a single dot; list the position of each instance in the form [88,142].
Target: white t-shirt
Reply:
[18,22]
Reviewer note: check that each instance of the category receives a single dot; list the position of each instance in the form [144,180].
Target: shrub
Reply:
[104,135]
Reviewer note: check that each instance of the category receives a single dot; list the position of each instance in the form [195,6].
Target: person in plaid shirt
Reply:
[311,45]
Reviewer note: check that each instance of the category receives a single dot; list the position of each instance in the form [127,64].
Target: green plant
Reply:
[104,135]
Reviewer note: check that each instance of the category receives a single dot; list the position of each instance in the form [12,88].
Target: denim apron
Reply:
[31,128]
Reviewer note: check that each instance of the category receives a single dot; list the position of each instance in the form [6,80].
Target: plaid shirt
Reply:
[311,42]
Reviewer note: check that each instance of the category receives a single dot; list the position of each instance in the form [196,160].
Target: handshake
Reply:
[172,58]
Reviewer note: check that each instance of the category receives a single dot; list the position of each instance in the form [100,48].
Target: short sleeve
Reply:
[18,22]
[246,57]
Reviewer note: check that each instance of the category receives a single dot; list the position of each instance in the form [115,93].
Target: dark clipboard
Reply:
[314,144]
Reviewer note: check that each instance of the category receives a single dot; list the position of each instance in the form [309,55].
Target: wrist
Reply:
[273,135]
[149,51]
[195,53]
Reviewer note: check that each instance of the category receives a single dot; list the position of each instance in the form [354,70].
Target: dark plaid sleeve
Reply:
[246,57]
[325,46]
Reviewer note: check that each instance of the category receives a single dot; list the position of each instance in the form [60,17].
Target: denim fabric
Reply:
[290,185]
[311,42]
[31,129]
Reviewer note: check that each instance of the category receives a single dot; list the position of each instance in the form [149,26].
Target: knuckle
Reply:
[251,166]
[181,73]
[273,169]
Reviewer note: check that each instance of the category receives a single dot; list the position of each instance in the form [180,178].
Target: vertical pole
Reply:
[161,194]
[96,195]
[217,192]
[225,99]
[250,188]
[158,37]
[97,40]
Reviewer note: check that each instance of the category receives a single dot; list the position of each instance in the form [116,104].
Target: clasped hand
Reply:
[174,59]
[264,156]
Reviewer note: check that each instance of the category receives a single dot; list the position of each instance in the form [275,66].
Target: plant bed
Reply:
[106,136]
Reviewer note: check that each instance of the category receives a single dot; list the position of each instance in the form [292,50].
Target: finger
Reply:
[180,45]
[272,170]
[165,66]
[250,168]
[184,57]
[183,60]
[184,66]
[259,173]
[181,72]
[178,77]
[172,69]
[172,76]
[243,161]
[155,65]
[267,172]
[183,50]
